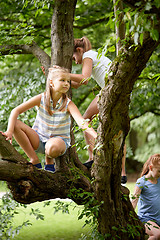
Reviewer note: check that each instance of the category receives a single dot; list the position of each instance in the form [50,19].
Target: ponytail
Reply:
[153,160]
[83,43]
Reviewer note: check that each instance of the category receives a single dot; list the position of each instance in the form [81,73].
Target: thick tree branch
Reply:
[120,25]
[34,49]
[29,184]
[113,129]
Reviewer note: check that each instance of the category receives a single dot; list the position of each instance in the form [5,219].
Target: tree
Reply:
[71,178]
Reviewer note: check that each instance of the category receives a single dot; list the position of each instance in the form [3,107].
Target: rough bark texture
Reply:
[120,25]
[62,33]
[28,184]
[113,128]
[33,48]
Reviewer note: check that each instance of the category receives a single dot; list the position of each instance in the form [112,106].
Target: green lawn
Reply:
[130,186]
[54,226]
[59,226]
[3,187]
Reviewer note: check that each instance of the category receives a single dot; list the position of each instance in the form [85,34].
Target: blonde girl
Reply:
[50,133]
[147,194]
[96,66]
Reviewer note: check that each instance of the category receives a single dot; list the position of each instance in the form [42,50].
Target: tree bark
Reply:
[120,25]
[28,184]
[34,49]
[62,33]
[112,131]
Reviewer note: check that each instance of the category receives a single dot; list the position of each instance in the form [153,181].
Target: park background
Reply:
[21,77]
[49,220]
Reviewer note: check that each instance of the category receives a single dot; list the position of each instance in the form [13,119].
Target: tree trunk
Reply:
[62,51]
[120,25]
[116,217]
[62,33]
[112,131]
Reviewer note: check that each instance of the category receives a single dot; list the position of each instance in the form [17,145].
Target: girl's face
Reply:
[61,83]
[77,56]
[155,171]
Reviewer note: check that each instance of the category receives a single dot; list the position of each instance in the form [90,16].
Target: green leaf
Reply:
[148,6]
[136,36]
[112,49]
[141,38]
[154,34]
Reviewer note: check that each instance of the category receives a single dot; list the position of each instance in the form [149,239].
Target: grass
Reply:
[130,186]
[59,226]
[3,186]
[54,226]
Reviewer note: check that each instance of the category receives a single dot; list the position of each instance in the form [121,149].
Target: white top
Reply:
[101,65]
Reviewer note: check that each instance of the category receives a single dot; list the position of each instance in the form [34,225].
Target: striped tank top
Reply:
[57,124]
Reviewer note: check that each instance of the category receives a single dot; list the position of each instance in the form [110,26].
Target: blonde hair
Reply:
[54,72]
[83,43]
[152,160]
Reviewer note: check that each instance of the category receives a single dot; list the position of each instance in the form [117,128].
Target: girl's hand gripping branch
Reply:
[75,113]
[8,135]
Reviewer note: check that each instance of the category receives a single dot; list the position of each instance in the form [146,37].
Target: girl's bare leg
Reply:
[28,139]
[123,161]
[54,148]
[90,113]
[153,230]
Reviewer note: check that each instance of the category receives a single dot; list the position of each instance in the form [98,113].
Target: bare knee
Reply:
[51,150]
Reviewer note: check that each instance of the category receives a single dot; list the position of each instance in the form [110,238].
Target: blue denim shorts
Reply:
[41,147]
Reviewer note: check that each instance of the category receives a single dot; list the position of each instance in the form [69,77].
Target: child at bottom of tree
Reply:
[147,194]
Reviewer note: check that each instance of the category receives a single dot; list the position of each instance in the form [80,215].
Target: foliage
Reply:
[147,128]
[31,22]
[140,19]
[8,210]
[24,23]
[145,95]
[27,86]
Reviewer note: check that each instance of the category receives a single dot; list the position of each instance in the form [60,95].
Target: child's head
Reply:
[81,45]
[56,74]
[152,162]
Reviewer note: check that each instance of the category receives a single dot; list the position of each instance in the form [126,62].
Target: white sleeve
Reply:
[89,54]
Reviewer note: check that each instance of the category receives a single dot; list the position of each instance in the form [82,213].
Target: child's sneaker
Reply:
[88,164]
[50,167]
[123,179]
[38,165]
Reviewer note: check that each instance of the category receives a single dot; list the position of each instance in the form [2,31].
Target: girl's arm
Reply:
[34,101]
[84,76]
[136,194]
[75,113]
